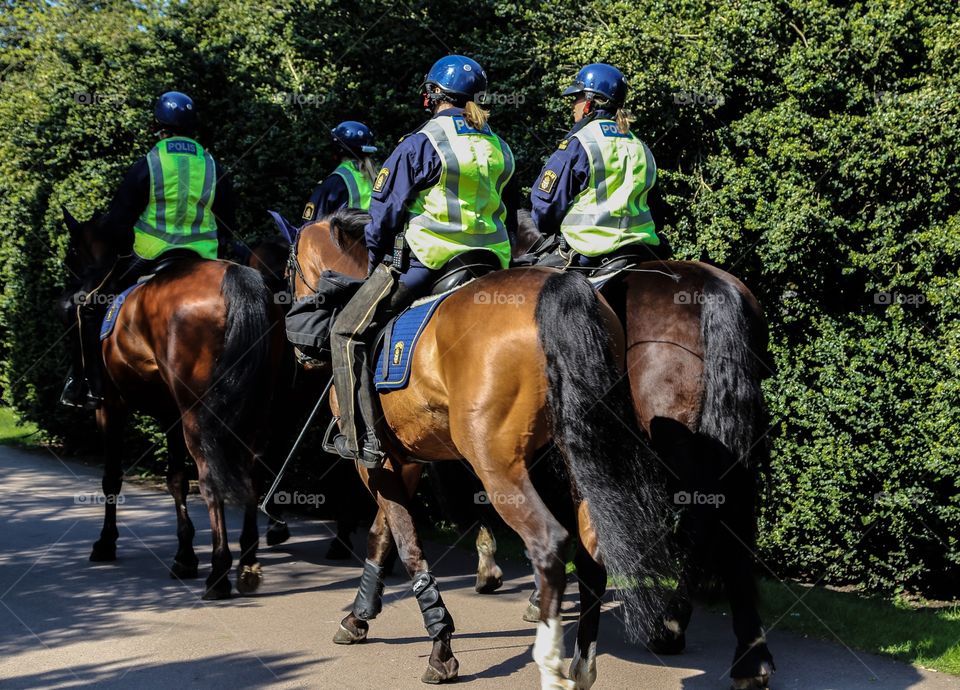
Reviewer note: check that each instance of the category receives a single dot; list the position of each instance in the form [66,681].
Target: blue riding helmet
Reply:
[354,137]
[457,76]
[602,80]
[175,110]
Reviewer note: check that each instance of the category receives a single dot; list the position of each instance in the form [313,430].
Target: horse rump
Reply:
[240,385]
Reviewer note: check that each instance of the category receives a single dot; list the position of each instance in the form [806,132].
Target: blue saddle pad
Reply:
[394,357]
[110,319]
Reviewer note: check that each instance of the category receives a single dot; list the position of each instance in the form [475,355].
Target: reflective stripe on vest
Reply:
[464,210]
[359,188]
[182,186]
[612,211]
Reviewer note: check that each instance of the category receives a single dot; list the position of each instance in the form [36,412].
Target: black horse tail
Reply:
[239,388]
[735,358]
[593,423]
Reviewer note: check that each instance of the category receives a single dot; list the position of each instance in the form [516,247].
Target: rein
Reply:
[294,269]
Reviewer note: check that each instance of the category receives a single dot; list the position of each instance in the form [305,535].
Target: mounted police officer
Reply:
[172,201]
[438,196]
[593,190]
[351,183]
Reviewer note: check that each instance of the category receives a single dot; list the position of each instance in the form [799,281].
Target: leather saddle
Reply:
[467,266]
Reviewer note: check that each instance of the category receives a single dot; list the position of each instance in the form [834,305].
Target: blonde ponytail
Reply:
[367,168]
[475,116]
[624,118]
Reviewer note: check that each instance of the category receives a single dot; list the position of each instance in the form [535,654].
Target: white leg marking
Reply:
[548,653]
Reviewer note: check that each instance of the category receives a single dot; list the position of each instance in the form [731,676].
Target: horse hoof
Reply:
[221,590]
[489,583]
[446,674]
[103,553]
[338,551]
[759,682]
[668,644]
[249,578]
[344,636]
[277,534]
[183,571]
[532,614]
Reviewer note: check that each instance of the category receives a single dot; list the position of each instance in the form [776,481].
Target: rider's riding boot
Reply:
[348,349]
[90,319]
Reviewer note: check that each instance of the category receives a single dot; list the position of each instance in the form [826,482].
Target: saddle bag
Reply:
[310,318]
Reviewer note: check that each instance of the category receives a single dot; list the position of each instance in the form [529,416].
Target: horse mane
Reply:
[349,221]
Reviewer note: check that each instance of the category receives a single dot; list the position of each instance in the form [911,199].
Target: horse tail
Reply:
[239,384]
[593,423]
[734,344]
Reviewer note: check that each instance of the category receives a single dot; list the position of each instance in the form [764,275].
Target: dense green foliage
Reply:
[808,147]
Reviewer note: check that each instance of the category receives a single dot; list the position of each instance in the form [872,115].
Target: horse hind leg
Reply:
[545,540]
[753,663]
[110,420]
[592,578]
[249,571]
[185,562]
[221,560]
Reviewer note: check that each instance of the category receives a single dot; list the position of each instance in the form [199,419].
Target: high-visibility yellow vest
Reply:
[464,211]
[183,179]
[612,211]
[358,185]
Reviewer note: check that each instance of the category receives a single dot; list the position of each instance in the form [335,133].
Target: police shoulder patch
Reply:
[547,181]
[562,146]
[308,211]
[381,179]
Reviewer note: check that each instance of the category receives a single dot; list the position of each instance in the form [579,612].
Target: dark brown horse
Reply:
[696,355]
[508,361]
[198,348]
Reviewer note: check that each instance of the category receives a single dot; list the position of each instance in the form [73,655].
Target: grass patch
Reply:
[13,433]
[925,636]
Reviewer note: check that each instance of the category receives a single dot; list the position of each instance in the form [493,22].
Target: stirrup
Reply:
[327,444]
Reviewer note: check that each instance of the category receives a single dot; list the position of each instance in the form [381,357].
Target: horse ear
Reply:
[73,225]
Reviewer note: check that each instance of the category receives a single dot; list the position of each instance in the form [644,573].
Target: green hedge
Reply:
[809,147]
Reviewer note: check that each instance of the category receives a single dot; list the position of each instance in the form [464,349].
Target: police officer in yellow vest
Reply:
[173,201]
[351,182]
[441,192]
[593,190]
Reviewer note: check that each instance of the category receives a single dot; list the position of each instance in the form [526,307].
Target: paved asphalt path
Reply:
[69,623]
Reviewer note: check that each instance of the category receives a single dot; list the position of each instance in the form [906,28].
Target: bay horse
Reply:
[197,347]
[493,379]
[696,353]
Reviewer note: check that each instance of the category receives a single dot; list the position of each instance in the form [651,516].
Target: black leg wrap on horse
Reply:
[369,601]
[436,618]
